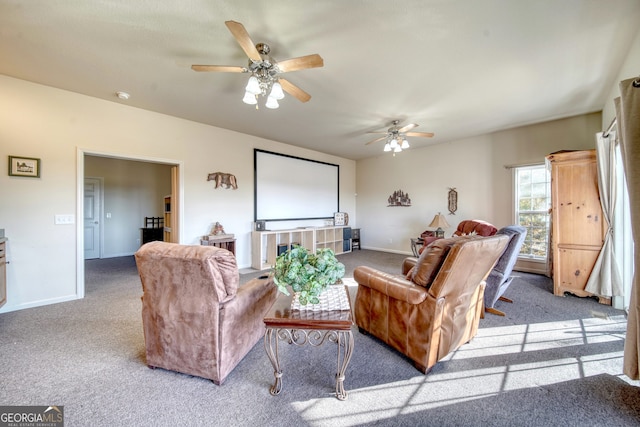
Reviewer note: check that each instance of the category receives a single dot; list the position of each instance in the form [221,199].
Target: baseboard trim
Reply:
[9,308]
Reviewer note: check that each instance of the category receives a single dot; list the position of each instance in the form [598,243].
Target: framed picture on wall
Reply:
[24,166]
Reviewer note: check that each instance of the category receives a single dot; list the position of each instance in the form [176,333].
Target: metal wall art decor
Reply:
[222,178]
[453,201]
[399,198]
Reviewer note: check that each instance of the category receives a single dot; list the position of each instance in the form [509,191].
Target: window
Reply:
[533,199]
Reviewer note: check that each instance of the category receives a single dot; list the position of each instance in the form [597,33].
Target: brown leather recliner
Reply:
[466,227]
[435,307]
[477,226]
[196,318]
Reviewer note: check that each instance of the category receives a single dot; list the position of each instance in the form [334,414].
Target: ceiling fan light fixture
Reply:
[249,98]
[271,103]
[387,147]
[394,143]
[253,86]
[405,144]
[276,91]
[397,149]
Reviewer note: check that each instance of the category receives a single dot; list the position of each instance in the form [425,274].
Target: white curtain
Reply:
[629,134]
[605,277]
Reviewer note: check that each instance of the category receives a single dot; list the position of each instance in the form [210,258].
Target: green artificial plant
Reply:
[308,274]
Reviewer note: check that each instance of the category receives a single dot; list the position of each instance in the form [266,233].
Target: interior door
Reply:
[92,202]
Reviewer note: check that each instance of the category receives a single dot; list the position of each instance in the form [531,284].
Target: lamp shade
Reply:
[249,98]
[271,103]
[439,221]
[276,91]
[253,86]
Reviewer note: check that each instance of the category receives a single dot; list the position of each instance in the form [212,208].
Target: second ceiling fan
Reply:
[265,72]
[396,136]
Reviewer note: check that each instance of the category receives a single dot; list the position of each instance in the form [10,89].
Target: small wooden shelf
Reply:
[167,219]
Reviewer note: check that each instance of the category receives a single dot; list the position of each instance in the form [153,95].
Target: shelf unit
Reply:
[167,219]
[267,245]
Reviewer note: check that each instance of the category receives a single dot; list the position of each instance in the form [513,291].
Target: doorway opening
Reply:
[114,194]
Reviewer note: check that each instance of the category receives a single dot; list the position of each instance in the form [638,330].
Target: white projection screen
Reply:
[292,188]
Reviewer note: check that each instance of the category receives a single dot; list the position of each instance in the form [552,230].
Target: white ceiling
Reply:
[458,68]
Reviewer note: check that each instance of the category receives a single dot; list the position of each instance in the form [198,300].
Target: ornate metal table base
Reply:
[315,338]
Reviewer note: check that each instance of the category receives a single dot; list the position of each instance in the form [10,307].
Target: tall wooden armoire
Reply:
[578,228]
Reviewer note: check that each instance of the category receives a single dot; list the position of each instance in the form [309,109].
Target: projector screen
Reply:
[292,188]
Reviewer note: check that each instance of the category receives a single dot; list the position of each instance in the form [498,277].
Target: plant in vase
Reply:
[307,273]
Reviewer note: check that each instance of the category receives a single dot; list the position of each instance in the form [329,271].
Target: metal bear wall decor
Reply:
[222,178]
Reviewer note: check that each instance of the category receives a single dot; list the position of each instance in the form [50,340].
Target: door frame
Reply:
[80,154]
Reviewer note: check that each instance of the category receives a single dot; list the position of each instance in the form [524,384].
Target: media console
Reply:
[267,245]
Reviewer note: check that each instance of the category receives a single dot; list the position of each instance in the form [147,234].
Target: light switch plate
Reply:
[65,219]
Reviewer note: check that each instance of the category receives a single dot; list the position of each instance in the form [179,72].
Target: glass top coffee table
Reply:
[313,326]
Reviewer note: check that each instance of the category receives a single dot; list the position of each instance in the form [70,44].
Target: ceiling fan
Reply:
[396,136]
[265,72]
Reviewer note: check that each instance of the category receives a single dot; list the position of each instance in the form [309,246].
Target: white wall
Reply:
[630,69]
[475,167]
[54,125]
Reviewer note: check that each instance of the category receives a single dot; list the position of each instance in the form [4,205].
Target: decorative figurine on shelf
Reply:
[218,229]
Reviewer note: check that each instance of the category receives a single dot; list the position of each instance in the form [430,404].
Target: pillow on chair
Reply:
[430,261]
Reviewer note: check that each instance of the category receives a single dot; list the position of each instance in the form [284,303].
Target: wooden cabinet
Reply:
[3,272]
[578,228]
[267,245]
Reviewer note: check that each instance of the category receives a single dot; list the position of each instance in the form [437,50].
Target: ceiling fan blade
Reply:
[242,37]
[379,131]
[220,68]
[407,127]
[421,134]
[293,64]
[375,140]
[294,90]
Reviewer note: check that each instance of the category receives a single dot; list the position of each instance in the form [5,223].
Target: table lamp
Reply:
[439,222]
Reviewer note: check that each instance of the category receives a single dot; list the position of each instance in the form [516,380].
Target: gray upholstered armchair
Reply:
[196,318]
[500,277]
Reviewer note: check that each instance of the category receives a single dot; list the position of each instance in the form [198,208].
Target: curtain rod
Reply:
[610,128]
[523,165]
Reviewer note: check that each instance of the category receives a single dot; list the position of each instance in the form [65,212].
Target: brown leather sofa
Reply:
[435,306]
[196,318]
